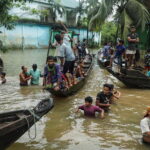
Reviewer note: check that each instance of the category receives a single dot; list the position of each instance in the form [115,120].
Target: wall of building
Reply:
[27,35]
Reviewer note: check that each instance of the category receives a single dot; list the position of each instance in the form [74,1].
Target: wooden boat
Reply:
[14,124]
[1,65]
[87,69]
[134,78]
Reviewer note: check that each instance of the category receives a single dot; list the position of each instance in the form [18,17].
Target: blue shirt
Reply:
[120,49]
[35,76]
[106,51]
[148,74]
[52,75]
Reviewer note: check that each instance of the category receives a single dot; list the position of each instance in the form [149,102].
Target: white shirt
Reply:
[66,40]
[57,52]
[145,125]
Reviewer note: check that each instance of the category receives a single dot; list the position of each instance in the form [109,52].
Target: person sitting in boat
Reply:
[120,52]
[147,63]
[62,80]
[105,98]
[145,126]
[2,78]
[69,57]
[36,74]
[51,74]
[89,109]
[79,70]
[24,76]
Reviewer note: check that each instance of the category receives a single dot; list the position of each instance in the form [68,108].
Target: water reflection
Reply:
[62,128]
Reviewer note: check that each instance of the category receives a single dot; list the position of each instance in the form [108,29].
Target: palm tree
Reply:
[128,12]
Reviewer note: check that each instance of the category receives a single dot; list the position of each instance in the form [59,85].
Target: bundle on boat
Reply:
[134,78]
[88,63]
[14,124]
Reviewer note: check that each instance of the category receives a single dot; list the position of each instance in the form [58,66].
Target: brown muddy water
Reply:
[62,129]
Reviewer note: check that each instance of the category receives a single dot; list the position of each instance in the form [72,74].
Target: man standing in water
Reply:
[133,40]
[145,126]
[24,77]
[36,74]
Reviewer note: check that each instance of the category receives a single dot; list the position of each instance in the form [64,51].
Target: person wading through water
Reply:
[24,76]
[145,126]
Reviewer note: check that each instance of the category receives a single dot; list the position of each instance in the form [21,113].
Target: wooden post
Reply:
[49,46]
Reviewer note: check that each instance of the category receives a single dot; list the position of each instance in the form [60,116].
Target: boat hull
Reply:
[22,121]
[76,87]
[132,79]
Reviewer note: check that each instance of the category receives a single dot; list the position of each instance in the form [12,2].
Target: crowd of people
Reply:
[121,55]
[63,70]
[126,56]
[64,74]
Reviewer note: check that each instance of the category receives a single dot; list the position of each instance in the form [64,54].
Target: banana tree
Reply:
[128,12]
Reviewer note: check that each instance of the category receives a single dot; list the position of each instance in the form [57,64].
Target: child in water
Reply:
[116,93]
[2,78]
[89,109]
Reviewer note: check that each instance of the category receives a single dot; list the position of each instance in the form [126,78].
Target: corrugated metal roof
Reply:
[69,3]
[66,3]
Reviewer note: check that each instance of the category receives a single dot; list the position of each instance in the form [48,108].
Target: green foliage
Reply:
[7,19]
[129,12]
[109,30]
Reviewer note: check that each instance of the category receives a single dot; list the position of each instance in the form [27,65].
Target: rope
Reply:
[35,117]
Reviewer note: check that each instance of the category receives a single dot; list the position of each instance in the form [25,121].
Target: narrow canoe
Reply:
[87,69]
[134,78]
[14,124]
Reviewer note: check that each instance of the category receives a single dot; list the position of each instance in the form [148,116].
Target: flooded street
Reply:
[62,129]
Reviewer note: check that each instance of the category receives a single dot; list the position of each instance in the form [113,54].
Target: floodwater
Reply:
[62,129]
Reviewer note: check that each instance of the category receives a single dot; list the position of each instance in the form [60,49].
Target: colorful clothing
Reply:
[52,75]
[35,76]
[120,49]
[148,74]
[90,111]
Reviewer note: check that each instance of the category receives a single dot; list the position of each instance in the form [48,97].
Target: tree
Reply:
[109,32]
[7,19]
[128,12]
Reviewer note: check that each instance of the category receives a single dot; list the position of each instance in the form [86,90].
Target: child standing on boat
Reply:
[120,52]
[89,109]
